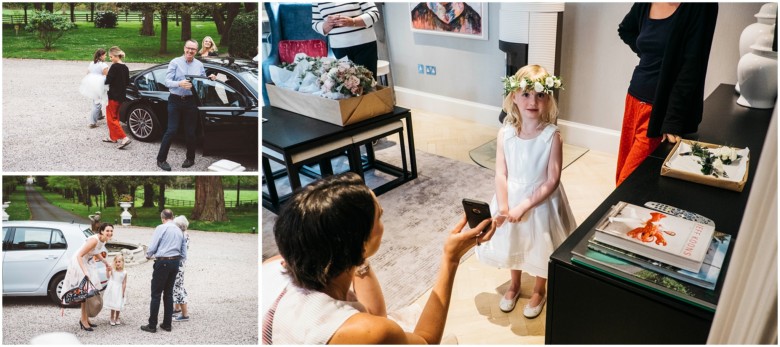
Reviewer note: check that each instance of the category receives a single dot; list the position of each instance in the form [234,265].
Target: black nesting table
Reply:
[289,133]
[586,306]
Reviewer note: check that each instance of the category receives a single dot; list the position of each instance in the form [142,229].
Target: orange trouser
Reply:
[115,131]
[635,146]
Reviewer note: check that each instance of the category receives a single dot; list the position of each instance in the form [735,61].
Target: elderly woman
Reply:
[82,265]
[321,290]
[179,292]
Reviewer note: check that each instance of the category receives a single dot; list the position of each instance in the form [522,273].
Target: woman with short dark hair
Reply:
[321,290]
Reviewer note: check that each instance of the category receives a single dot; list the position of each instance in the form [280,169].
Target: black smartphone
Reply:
[476,211]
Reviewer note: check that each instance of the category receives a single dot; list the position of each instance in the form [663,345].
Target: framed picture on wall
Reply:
[461,19]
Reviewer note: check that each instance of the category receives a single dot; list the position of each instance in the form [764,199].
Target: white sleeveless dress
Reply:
[112,297]
[74,275]
[300,316]
[528,244]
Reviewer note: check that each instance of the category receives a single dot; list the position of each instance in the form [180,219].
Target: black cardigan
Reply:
[679,97]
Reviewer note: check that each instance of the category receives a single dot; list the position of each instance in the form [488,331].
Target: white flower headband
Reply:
[546,84]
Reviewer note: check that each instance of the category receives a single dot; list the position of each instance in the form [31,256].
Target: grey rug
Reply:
[417,217]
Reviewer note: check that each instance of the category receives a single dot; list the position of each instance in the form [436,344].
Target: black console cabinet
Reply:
[589,307]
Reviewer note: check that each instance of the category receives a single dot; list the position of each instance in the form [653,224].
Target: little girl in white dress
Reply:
[533,214]
[94,88]
[114,296]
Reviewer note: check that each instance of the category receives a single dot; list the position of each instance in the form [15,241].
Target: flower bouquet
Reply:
[327,77]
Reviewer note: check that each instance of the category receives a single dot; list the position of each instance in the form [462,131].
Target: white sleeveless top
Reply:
[300,316]
[528,244]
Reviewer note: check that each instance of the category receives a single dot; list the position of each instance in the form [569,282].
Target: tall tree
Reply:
[223,15]
[49,6]
[148,194]
[209,200]
[186,23]
[72,6]
[163,30]
[147,10]
[91,11]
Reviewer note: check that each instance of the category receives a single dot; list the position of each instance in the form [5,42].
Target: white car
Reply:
[36,255]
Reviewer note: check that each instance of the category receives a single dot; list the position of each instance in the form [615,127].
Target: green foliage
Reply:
[243,36]
[81,44]
[105,19]
[18,209]
[48,27]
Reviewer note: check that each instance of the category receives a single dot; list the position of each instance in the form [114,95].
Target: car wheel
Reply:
[55,289]
[143,123]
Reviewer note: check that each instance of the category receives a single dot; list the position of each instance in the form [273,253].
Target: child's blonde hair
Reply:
[533,72]
[117,52]
[119,256]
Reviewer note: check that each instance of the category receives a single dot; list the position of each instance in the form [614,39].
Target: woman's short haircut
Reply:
[181,222]
[322,230]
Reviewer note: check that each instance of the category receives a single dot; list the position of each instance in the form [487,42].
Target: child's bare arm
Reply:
[124,285]
[501,174]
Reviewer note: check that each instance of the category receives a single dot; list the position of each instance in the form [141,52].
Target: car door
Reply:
[228,117]
[29,257]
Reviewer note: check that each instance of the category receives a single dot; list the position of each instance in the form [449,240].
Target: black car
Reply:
[228,106]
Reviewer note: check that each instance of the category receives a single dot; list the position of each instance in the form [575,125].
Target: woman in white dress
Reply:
[83,264]
[114,296]
[179,292]
[93,86]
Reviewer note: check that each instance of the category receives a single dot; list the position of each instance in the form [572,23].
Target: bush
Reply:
[48,27]
[105,19]
[243,36]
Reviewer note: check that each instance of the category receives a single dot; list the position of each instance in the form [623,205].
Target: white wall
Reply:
[595,65]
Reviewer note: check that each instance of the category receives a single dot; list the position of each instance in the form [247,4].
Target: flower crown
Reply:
[545,84]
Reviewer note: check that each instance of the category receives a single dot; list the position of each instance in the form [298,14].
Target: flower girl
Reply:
[114,297]
[93,86]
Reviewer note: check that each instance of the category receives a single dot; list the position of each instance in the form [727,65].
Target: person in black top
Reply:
[117,79]
[666,95]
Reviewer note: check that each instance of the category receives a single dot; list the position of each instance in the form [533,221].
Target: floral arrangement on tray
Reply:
[706,163]
[326,77]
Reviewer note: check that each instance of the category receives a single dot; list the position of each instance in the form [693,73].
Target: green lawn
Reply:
[81,43]
[240,220]
[18,209]
[189,194]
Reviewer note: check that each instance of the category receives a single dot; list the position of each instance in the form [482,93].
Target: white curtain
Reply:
[747,311]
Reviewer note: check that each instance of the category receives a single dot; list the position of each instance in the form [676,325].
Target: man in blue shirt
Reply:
[168,247]
[182,107]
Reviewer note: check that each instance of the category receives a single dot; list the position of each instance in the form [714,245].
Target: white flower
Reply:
[550,82]
[717,165]
[557,83]
[538,87]
[732,154]
[523,84]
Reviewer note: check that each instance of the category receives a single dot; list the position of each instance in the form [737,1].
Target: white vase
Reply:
[125,205]
[765,24]
[757,74]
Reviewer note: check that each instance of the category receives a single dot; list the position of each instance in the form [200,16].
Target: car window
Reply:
[5,233]
[213,93]
[153,81]
[87,232]
[251,79]
[31,239]
[58,240]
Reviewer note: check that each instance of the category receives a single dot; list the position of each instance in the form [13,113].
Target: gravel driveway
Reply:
[45,125]
[221,280]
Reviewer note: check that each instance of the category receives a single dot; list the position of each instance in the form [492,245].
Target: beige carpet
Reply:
[485,155]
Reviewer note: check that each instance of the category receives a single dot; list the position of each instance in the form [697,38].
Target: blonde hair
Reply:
[513,118]
[203,45]
[119,256]
[117,52]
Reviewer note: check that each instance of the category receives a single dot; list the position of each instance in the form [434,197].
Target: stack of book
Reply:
[674,255]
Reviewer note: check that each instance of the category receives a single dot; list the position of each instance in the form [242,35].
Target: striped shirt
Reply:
[343,37]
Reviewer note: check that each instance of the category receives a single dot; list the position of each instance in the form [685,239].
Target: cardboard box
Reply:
[340,112]
[700,178]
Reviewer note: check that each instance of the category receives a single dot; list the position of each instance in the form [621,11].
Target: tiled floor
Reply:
[474,317]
